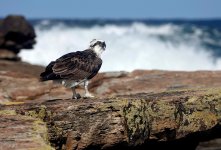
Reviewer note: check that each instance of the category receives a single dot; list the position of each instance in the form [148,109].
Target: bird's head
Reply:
[98,46]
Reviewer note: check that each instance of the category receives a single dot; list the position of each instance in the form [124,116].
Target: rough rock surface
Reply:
[139,120]
[20,82]
[137,110]
[22,132]
[15,34]
[138,81]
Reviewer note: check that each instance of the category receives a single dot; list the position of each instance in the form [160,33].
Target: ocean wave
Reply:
[129,47]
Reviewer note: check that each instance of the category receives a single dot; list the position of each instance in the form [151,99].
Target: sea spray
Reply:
[134,45]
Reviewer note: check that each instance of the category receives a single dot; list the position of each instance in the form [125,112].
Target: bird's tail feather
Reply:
[44,76]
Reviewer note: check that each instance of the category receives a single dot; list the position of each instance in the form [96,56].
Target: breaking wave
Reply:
[132,46]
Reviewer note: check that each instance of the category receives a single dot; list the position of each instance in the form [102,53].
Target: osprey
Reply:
[77,67]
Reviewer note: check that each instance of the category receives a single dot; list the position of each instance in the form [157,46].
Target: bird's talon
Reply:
[77,96]
[88,96]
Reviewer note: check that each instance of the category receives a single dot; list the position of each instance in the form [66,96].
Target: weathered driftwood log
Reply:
[169,119]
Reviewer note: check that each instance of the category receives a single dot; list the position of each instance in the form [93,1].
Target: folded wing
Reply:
[74,66]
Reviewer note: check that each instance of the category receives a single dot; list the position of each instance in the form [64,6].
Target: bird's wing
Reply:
[77,65]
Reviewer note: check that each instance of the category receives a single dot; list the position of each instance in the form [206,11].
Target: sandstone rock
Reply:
[138,81]
[19,81]
[22,132]
[174,120]
[15,34]
[210,145]
[119,83]
[138,110]
[22,69]
[15,87]
[6,54]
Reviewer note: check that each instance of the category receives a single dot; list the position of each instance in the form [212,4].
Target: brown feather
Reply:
[78,65]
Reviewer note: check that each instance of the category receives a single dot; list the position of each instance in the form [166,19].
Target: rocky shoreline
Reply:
[143,109]
[135,110]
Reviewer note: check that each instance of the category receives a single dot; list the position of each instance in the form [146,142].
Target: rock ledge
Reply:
[171,119]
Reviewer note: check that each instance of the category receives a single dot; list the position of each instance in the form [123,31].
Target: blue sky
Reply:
[112,8]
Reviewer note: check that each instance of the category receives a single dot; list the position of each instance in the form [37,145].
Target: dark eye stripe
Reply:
[99,43]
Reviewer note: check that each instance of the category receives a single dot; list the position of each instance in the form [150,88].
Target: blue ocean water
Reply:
[132,44]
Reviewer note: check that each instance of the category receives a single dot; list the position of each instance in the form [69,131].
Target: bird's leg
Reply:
[75,95]
[87,93]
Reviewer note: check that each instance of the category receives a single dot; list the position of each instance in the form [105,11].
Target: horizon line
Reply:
[123,18]
[117,18]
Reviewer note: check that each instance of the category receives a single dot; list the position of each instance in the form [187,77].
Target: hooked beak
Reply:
[104,45]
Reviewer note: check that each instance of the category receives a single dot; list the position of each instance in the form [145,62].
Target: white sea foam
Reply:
[129,47]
